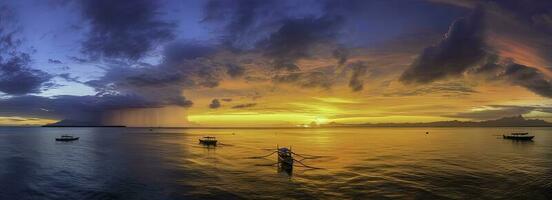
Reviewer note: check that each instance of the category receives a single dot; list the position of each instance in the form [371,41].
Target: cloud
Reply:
[297,37]
[54,61]
[68,77]
[16,75]
[78,60]
[235,70]
[359,70]
[341,54]
[215,103]
[527,23]
[243,22]
[17,78]
[462,47]
[163,84]
[282,36]
[446,89]
[90,109]
[498,111]
[529,78]
[123,29]
[8,30]
[464,50]
[165,81]
[179,51]
[157,86]
[241,106]
[311,79]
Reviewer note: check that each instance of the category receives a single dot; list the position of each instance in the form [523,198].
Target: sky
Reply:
[273,62]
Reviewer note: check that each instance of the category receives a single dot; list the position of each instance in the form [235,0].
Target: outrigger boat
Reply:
[285,158]
[208,140]
[286,161]
[518,136]
[66,138]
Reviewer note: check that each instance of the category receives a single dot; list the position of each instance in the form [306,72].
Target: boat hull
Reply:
[286,162]
[208,142]
[518,137]
[285,159]
[66,139]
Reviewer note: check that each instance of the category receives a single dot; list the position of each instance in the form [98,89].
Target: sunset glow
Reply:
[201,64]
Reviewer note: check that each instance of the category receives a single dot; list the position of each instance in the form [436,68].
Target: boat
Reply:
[518,136]
[67,138]
[285,159]
[208,140]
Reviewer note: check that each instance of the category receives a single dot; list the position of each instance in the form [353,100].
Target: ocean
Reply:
[342,163]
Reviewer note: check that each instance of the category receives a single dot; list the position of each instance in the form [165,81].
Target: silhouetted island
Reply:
[73,123]
[515,121]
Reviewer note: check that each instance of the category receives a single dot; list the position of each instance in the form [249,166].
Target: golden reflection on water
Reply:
[346,148]
[361,163]
[376,161]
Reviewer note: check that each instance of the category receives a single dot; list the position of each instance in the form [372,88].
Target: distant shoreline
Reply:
[515,121]
[318,127]
[268,127]
[62,126]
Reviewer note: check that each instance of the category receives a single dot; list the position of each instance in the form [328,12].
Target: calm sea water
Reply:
[357,163]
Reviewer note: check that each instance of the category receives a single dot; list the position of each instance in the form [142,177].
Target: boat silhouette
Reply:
[66,138]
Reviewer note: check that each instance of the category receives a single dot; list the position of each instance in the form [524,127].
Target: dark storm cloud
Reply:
[284,37]
[215,103]
[54,61]
[235,70]
[490,66]
[526,22]
[359,70]
[241,106]
[123,29]
[177,52]
[17,78]
[297,37]
[243,21]
[162,84]
[176,72]
[462,47]
[88,109]
[208,77]
[513,73]
[529,78]
[516,74]
[341,54]
[187,64]
[527,11]
[498,111]
[313,79]
[159,79]
[16,75]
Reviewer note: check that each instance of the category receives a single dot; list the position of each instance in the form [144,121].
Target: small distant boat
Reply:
[518,136]
[66,138]
[208,140]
